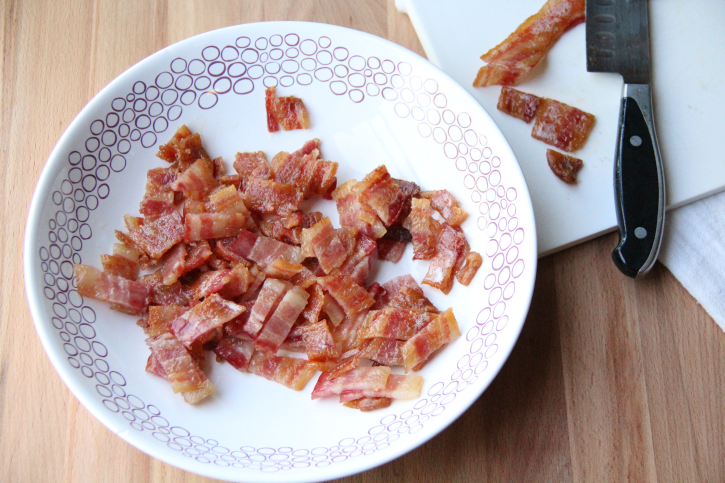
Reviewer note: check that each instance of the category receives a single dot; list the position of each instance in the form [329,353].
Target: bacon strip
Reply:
[397,387]
[156,237]
[238,353]
[361,378]
[288,371]
[205,226]
[93,283]
[432,337]
[562,126]
[265,250]
[518,104]
[161,316]
[266,196]
[195,324]
[319,344]
[473,263]
[180,368]
[444,203]
[440,272]
[514,58]
[267,301]
[279,324]
[401,324]
[352,297]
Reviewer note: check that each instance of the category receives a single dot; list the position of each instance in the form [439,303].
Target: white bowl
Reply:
[371,102]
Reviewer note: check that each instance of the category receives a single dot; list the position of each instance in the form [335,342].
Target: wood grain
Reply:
[611,380]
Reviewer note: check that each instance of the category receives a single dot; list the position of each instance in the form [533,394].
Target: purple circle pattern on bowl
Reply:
[129,121]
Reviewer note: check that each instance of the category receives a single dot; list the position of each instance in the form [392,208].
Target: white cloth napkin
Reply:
[693,249]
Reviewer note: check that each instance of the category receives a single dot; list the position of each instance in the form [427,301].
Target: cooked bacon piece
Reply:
[286,112]
[311,314]
[163,294]
[157,204]
[267,301]
[238,353]
[288,371]
[349,334]
[293,344]
[397,387]
[518,104]
[423,229]
[279,324]
[377,291]
[412,299]
[219,168]
[266,196]
[282,269]
[281,158]
[353,212]
[226,200]
[409,190]
[432,337]
[175,264]
[153,366]
[259,277]
[183,148]
[514,58]
[196,254]
[352,297]
[383,351]
[359,264]
[304,278]
[252,165]
[564,167]
[358,379]
[264,250]
[180,368]
[391,250]
[234,329]
[286,229]
[394,323]
[444,203]
[326,245]
[319,344]
[240,280]
[234,179]
[207,283]
[93,283]
[158,180]
[192,207]
[223,250]
[205,226]
[393,286]
[194,325]
[440,272]
[382,194]
[324,179]
[466,274]
[199,177]
[304,170]
[119,266]
[132,222]
[333,310]
[367,404]
[562,126]
[161,316]
[157,236]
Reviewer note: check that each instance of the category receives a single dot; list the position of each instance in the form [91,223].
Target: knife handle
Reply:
[639,184]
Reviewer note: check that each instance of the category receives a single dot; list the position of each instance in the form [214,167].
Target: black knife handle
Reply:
[639,184]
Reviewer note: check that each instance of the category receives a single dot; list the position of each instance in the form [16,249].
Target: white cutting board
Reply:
[688,59]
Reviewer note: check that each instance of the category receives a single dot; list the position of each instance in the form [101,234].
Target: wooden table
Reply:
[611,380]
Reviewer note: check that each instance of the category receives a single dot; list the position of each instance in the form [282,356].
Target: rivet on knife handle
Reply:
[639,184]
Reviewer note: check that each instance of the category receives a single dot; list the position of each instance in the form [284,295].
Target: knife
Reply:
[617,37]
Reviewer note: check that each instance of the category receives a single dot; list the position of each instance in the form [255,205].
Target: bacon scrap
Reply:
[314,304]
[205,226]
[358,379]
[319,344]
[562,126]
[333,310]
[564,167]
[382,194]
[267,196]
[252,165]
[432,337]
[180,368]
[367,404]
[184,148]
[423,228]
[444,203]
[199,177]
[466,274]
[353,212]
[161,316]
[352,297]
[383,351]
[390,250]
[236,352]
[207,283]
[267,301]
[514,58]
[288,371]
[91,282]
[120,266]
[175,264]
[286,112]
[162,294]
[394,323]
[518,104]
[397,387]
[326,244]
[197,254]
[440,272]
[279,324]
[394,285]
[156,237]
[413,299]
[194,325]
[264,250]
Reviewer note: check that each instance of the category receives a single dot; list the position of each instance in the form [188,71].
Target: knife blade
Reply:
[617,41]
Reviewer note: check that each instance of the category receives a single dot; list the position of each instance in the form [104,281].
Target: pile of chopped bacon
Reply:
[237,268]
[514,58]
[555,123]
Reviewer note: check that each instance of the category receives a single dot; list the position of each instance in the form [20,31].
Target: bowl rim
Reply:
[32,279]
